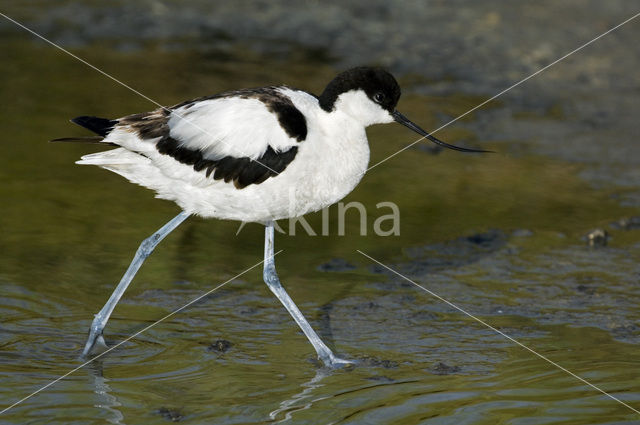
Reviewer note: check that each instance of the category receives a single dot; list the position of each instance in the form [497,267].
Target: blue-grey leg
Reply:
[146,248]
[272,281]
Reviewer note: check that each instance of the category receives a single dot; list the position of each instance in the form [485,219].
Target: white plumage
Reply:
[329,164]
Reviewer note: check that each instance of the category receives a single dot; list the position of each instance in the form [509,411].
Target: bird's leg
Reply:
[271,279]
[146,248]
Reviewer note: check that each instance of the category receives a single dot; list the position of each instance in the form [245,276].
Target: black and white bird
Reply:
[253,155]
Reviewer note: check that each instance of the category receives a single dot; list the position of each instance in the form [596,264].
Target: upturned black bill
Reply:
[409,124]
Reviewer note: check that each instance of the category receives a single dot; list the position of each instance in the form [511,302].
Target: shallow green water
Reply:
[68,232]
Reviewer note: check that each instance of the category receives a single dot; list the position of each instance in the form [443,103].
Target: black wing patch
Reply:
[241,171]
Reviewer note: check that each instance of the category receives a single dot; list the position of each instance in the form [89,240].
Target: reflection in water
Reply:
[293,404]
[108,402]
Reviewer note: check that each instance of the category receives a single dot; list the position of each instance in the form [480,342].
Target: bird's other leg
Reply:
[271,279]
[146,248]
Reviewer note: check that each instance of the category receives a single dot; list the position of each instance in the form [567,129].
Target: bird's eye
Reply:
[379,97]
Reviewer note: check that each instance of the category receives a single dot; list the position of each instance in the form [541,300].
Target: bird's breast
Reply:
[328,166]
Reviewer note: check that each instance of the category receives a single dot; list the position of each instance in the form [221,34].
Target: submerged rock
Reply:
[452,254]
[336,265]
[444,369]
[597,237]
[221,346]
[375,362]
[174,415]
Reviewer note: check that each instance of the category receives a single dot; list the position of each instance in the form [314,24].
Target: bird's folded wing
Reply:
[229,127]
[237,138]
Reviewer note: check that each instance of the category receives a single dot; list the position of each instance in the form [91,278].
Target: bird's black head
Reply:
[378,84]
[370,96]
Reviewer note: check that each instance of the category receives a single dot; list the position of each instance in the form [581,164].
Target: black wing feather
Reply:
[100,126]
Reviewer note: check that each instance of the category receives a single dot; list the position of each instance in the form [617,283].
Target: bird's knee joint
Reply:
[266,277]
[271,277]
[147,246]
